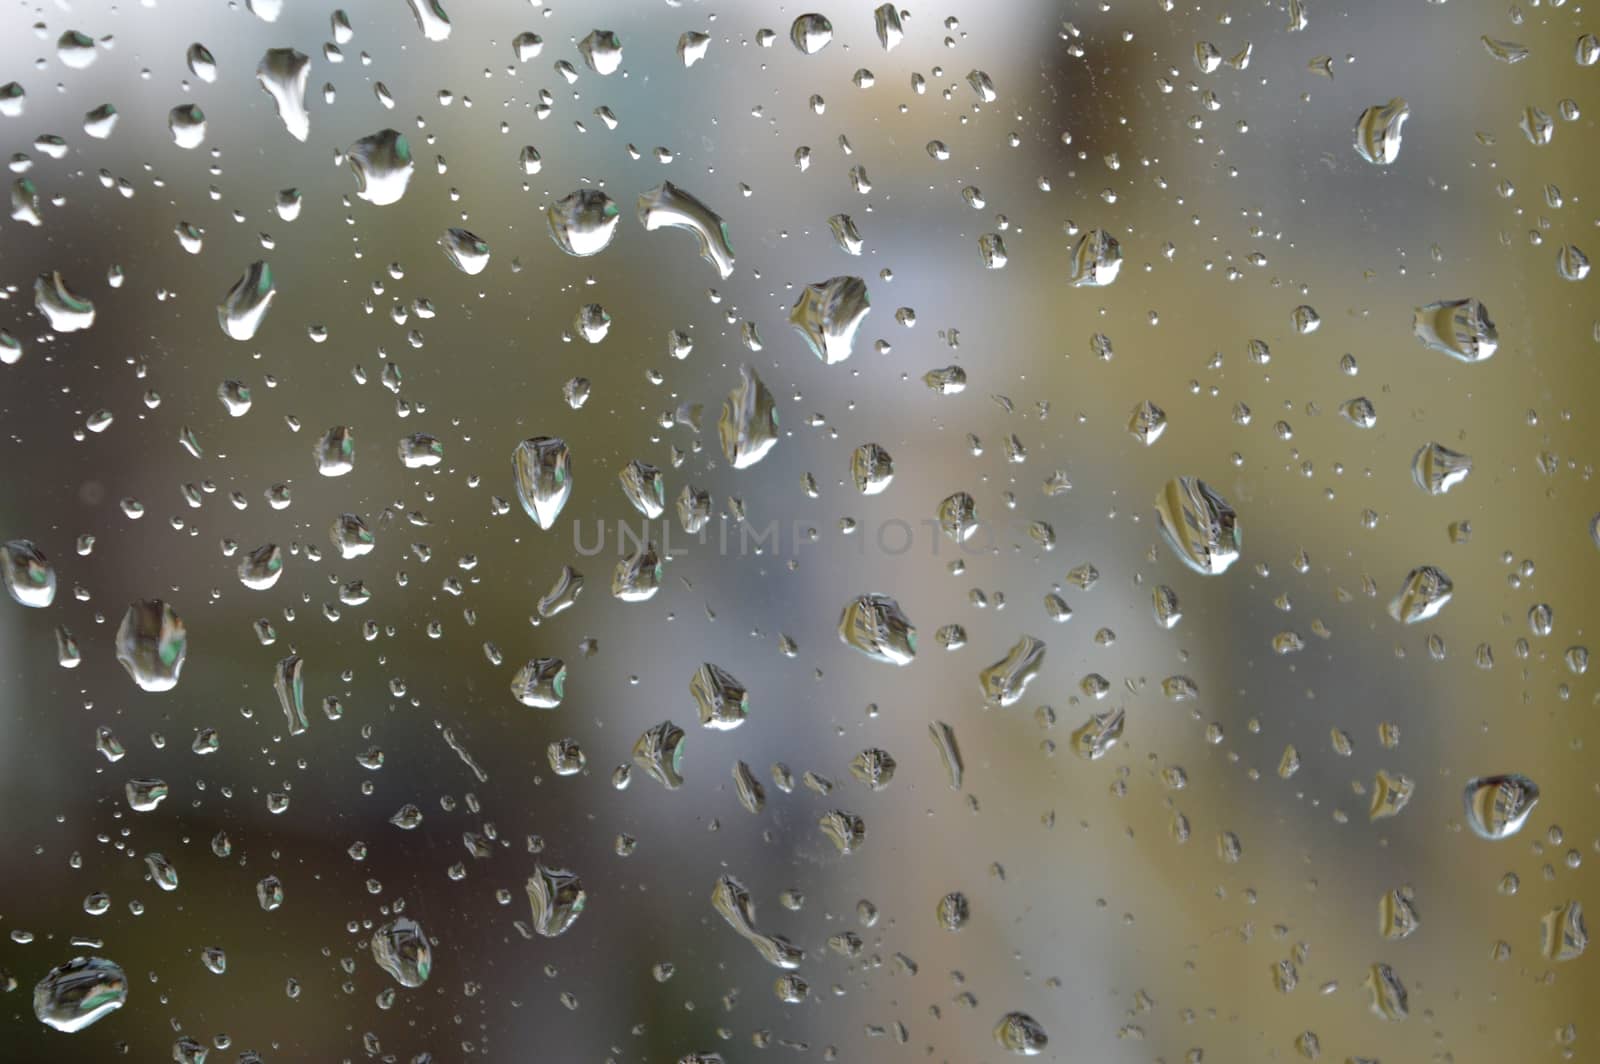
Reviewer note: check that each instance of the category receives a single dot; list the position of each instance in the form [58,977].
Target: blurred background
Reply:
[1100,901]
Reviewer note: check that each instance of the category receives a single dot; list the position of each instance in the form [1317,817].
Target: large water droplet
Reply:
[1005,682]
[383,167]
[282,74]
[1019,1033]
[601,51]
[466,251]
[583,223]
[811,33]
[1378,131]
[669,205]
[541,683]
[1498,806]
[722,700]
[828,313]
[875,625]
[748,427]
[29,577]
[659,751]
[241,311]
[336,451]
[65,311]
[1422,595]
[152,644]
[1200,526]
[76,994]
[1459,328]
[557,899]
[431,19]
[543,469]
[1437,469]
[401,948]
[187,124]
[1095,261]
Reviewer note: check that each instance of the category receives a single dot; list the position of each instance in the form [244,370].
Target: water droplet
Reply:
[875,625]
[1199,525]
[260,568]
[145,793]
[431,19]
[76,994]
[1378,131]
[827,315]
[659,751]
[543,468]
[1459,328]
[637,577]
[692,47]
[1095,261]
[65,311]
[1019,1033]
[401,948]
[557,899]
[601,51]
[722,700]
[583,223]
[1437,469]
[748,427]
[152,645]
[1422,595]
[1147,422]
[669,205]
[871,468]
[811,33]
[1498,806]
[1389,998]
[383,167]
[1005,682]
[282,74]
[845,830]
[643,486]
[541,683]
[1565,935]
[466,251]
[241,311]
[1571,263]
[29,577]
[187,124]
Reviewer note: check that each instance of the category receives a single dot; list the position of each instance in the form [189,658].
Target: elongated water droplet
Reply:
[1199,525]
[1565,934]
[202,64]
[886,20]
[637,577]
[732,900]
[1005,682]
[288,680]
[748,427]
[152,644]
[644,487]
[29,577]
[431,19]
[282,74]
[1571,263]
[543,468]
[563,593]
[1459,328]
[669,205]
[245,306]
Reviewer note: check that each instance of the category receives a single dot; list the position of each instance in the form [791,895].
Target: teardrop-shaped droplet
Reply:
[431,19]
[541,683]
[336,451]
[1095,261]
[1422,595]
[260,569]
[29,577]
[187,124]
[152,644]
[383,167]
[601,51]
[1200,526]
[1378,131]
[811,33]
[659,751]
[583,223]
[748,427]
[543,468]
[1459,328]
[466,251]
[556,897]
[1498,806]
[241,311]
[722,700]
[282,74]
